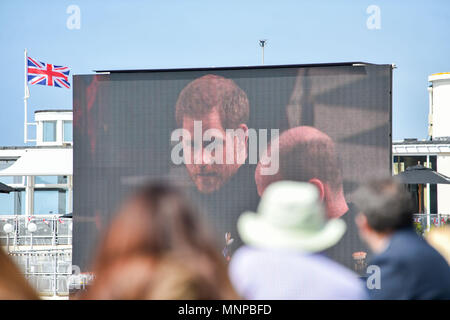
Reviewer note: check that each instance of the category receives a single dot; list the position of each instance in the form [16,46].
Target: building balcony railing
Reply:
[41,246]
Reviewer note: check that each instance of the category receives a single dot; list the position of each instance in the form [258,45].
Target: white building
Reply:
[434,152]
[31,228]
[42,173]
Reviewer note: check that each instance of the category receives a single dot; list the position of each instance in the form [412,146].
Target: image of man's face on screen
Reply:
[208,167]
[213,111]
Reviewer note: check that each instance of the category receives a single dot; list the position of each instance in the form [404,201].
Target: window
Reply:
[50,180]
[49,131]
[12,203]
[8,179]
[67,131]
[47,202]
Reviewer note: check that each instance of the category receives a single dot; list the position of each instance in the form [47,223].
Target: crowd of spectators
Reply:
[158,247]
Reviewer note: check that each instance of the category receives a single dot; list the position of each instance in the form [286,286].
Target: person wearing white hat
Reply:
[282,258]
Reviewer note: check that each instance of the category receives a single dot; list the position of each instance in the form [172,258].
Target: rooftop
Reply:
[356,63]
[440,73]
[54,110]
[439,76]
[65,146]
[412,141]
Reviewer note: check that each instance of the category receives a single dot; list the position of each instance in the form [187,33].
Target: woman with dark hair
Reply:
[158,248]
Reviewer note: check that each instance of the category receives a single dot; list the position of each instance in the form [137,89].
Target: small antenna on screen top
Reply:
[262,44]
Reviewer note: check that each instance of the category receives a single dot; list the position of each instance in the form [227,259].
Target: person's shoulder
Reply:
[328,267]
[247,255]
[406,244]
[244,251]
[411,254]
[249,263]
[336,268]
[347,282]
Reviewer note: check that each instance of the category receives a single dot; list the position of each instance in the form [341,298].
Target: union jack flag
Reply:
[47,74]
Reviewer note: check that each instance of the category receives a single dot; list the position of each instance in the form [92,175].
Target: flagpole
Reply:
[25,100]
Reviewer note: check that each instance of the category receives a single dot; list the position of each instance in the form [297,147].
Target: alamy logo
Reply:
[373,22]
[374,280]
[74,20]
[213,146]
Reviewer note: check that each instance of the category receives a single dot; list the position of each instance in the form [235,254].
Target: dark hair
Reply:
[156,222]
[312,159]
[200,96]
[304,153]
[386,204]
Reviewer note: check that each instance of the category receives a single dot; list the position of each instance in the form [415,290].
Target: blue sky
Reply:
[169,34]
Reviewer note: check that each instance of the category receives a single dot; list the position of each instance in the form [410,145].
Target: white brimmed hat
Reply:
[290,216]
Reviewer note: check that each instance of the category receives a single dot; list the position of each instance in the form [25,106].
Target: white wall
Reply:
[443,166]
[441,104]
[57,116]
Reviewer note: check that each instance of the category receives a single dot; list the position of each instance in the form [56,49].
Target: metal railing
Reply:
[42,248]
[425,221]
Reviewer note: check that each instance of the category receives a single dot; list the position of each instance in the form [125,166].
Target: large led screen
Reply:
[223,135]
